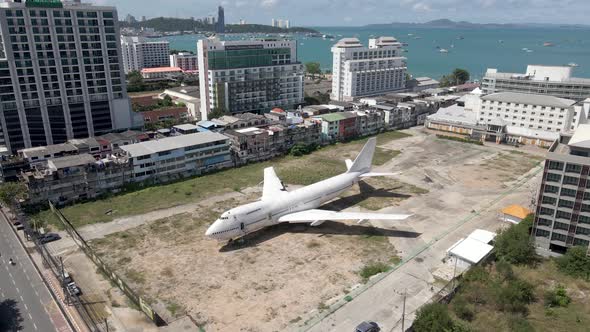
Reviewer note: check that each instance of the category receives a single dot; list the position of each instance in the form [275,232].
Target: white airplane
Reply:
[278,205]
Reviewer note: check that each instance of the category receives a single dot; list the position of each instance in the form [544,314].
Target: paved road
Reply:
[23,296]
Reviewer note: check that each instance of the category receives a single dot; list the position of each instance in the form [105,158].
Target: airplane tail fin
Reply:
[363,161]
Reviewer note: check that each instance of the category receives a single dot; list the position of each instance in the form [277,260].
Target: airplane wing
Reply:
[272,184]
[316,214]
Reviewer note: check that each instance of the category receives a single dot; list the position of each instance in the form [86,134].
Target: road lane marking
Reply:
[35,326]
[21,298]
[13,282]
[31,317]
[27,308]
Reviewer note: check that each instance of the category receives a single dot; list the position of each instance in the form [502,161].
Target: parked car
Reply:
[367,327]
[73,289]
[66,278]
[16,223]
[49,237]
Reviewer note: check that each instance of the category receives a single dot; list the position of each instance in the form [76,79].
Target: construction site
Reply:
[287,277]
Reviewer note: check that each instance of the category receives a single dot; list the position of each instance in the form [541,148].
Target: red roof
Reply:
[277,110]
[160,70]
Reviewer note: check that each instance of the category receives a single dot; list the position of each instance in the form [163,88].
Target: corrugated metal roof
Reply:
[516,211]
[171,143]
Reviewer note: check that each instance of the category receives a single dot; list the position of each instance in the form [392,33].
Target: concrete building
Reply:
[362,71]
[562,217]
[161,73]
[186,155]
[139,53]
[243,120]
[187,95]
[68,179]
[257,144]
[186,61]
[542,80]
[249,76]
[61,73]
[339,126]
[527,116]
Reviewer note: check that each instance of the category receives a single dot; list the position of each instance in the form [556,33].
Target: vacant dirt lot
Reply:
[282,274]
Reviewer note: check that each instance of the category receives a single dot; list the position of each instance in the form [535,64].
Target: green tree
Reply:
[166,102]
[514,244]
[515,296]
[12,192]
[575,262]
[557,297]
[460,75]
[433,317]
[313,68]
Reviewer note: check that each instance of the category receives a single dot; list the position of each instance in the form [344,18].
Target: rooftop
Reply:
[516,210]
[349,42]
[172,143]
[160,70]
[529,99]
[186,127]
[41,151]
[455,114]
[581,138]
[71,161]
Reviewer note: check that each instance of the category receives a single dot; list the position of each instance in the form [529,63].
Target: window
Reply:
[558,237]
[573,168]
[566,203]
[552,177]
[582,230]
[581,242]
[568,192]
[544,222]
[551,189]
[560,225]
[556,165]
[549,200]
[563,215]
[570,180]
[542,233]
[546,211]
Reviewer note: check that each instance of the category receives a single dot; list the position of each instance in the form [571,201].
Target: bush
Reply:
[514,245]
[301,149]
[462,309]
[515,296]
[557,297]
[433,317]
[460,139]
[575,262]
[505,270]
[372,269]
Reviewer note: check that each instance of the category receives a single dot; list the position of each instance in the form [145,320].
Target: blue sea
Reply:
[474,50]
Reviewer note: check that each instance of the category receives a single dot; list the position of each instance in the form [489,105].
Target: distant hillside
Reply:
[169,24]
[449,24]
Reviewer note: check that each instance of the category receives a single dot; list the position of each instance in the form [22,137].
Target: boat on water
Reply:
[501,41]
[460,38]
[410,34]
[452,45]
[525,49]
[573,64]
[547,44]
[443,50]
[529,51]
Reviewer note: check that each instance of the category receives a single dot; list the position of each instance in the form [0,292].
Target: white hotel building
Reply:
[362,71]
[61,73]
[138,53]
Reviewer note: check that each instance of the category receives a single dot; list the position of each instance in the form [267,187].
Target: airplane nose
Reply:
[211,229]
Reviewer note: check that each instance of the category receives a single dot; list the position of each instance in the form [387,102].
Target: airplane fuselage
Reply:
[251,217]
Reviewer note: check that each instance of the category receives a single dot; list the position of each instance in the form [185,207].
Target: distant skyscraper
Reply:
[139,53]
[220,28]
[61,73]
[143,18]
[287,24]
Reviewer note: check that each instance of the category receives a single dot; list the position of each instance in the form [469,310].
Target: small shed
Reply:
[515,213]
[473,249]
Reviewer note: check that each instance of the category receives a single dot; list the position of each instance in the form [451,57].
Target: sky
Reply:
[362,12]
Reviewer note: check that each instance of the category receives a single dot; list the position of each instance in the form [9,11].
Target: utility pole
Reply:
[404,311]
[63,282]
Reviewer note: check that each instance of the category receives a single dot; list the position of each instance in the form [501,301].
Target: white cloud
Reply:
[421,7]
[268,3]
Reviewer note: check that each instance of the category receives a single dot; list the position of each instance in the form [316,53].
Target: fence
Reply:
[136,299]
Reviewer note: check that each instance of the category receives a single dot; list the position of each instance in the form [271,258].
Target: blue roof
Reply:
[207,124]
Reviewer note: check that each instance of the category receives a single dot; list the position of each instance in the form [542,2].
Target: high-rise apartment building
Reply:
[139,53]
[563,208]
[556,81]
[61,73]
[363,71]
[249,76]
[220,27]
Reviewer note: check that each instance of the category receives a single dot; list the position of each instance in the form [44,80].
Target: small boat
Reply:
[529,51]
[547,44]
[525,49]
[501,41]
[573,64]
[443,50]
[460,38]
[410,34]
[452,45]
